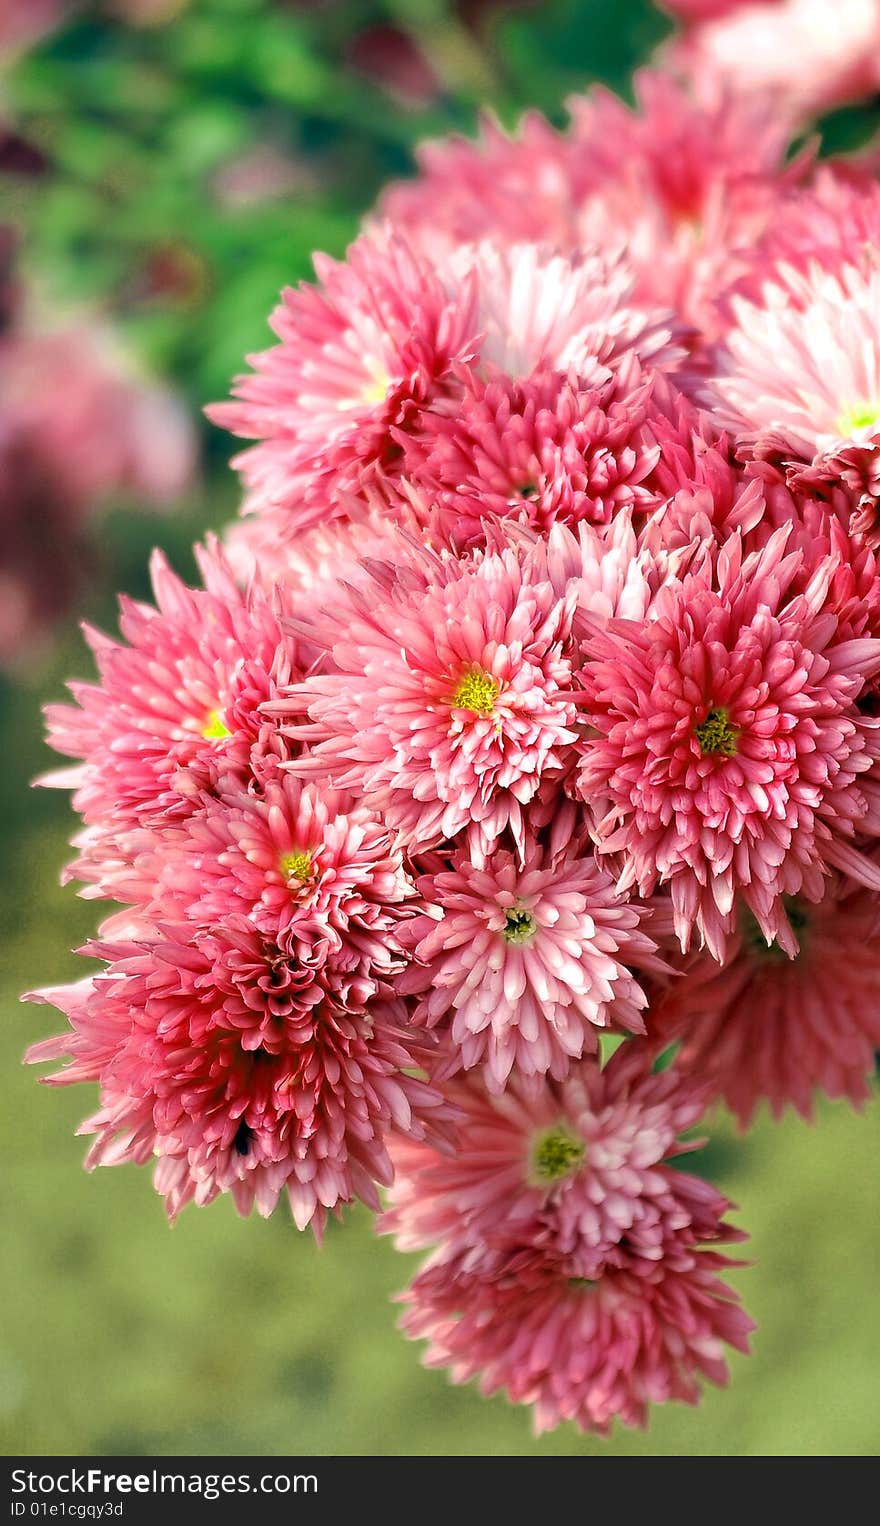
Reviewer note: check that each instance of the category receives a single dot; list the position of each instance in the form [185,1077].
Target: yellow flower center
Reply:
[861,416]
[555,1154]
[296,866]
[717,735]
[215,728]
[477,691]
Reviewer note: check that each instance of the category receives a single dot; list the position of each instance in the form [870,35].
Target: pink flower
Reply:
[209,1057]
[804,55]
[314,872]
[537,310]
[731,755]
[527,962]
[359,358]
[768,1026]
[568,1267]
[445,698]
[541,450]
[174,709]
[799,380]
[75,428]
[102,427]
[684,186]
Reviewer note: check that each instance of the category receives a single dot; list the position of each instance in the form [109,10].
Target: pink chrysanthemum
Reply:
[446,692]
[766,1026]
[731,758]
[209,1058]
[799,380]
[541,450]
[685,187]
[502,185]
[688,185]
[567,1266]
[527,962]
[360,357]
[313,871]
[805,55]
[175,708]
[537,310]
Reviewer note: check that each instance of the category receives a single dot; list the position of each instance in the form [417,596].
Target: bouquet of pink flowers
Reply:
[535,701]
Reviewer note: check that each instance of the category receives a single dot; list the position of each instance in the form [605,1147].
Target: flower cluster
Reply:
[534,701]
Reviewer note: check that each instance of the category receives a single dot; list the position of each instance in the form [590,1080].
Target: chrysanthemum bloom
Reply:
[176,707]
[805,55]
[503,185]
[360,356]
[567,1266]
[541,450]
[799,380]
[538,310]
[446,695]
[526,963]
[832,221]
[766,1026]
[730,756]
[688,184]
[311,869]
[684,186]
[214,1054]
[575,1350]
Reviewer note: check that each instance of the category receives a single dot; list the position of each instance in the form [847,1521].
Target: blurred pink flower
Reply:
[806,55]
[769,1026]
[75,428]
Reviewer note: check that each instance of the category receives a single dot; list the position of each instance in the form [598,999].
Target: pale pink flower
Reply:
[683,186]
[567,1267]
[537,309]
[807,56]
[360,356]
[686,185]
[767,1026]
[445,695]
[503,185]
[730,757]
[527,962]
[210,1059]
[798,379]
[174,708]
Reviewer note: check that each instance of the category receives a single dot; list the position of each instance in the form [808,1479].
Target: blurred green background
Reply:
[174,164]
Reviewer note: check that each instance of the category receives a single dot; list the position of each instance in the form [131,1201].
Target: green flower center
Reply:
[717,735]
[861,416]
[477,691]
[556,1153]
[519,925]
[296,866]
[215,728]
